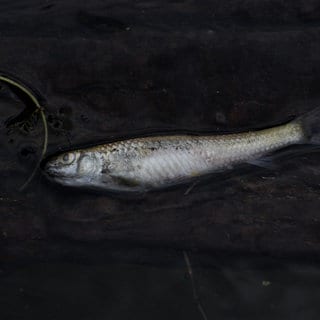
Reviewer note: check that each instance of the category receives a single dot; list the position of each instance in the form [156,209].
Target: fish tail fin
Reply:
[310,123]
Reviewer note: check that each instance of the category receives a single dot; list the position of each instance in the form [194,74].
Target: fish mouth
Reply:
[54,172]
[50,170]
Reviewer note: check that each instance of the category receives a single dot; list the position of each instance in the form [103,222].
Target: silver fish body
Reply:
[146,163]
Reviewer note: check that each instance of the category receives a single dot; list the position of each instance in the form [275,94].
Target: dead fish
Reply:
[146,163]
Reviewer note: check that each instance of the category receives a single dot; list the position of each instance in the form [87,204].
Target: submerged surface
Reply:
[112,70]
[102,81]
[229,289]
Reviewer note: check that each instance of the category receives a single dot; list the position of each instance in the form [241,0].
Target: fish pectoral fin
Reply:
[264,162]
[195,174]
[124,181]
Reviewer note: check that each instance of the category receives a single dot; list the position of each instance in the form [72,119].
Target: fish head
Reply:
[73,168]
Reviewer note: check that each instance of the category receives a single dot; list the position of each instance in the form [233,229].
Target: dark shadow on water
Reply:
[234,288]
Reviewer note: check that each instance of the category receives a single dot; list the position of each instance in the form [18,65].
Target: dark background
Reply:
[108,70]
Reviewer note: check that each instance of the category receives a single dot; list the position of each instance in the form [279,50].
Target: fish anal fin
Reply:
[263,162]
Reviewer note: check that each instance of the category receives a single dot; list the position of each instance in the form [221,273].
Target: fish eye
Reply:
[68,158]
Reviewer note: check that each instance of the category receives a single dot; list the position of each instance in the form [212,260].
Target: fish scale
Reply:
[146,163]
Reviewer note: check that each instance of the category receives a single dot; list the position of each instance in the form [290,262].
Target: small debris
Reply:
[194,290]
[266,283]
[190,188]
[267,178]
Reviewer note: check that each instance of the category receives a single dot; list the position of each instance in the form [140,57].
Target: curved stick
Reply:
[44,121]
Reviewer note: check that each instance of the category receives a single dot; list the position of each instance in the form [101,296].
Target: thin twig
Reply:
[43,152]
[190,188]
[194,290]
[44,121]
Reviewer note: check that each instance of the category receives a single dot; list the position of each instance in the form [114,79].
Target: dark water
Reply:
[109,70]
[230,289]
